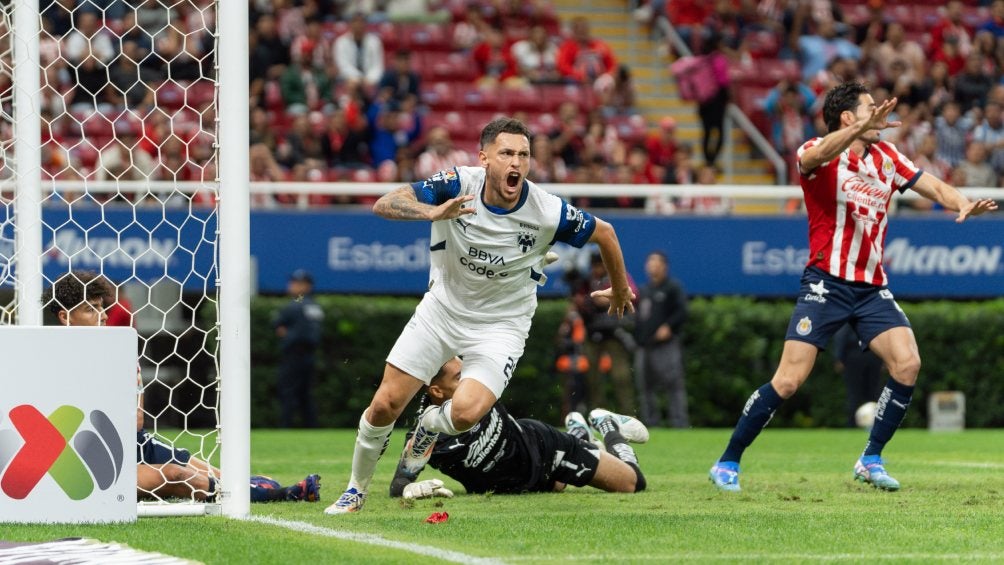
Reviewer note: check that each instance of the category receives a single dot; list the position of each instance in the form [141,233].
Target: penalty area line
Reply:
[373,539]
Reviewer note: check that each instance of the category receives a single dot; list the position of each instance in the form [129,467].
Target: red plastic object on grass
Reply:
[437,518]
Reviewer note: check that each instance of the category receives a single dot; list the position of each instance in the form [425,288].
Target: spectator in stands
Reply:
[972,85]
[315,47]
[302,142]
[897,47]
[494,61]
[952,129]
[975,169]
[935,88]
[583,58]
[359,54]
[537,57]
[304,87]
[950,32]
[390,133]
[928,160]
[440,154]
[271,50]
[90,88]
[682,170]
[346,142]
[264,168]
[707,205]
[601,138]
[688,17]
[991,134]
[995,24]
[789,107]
[661,146]
[472,29]
[616,93]
[130,81]
[400,82]
[567,135]
[88,39]
[818,49]
[546,166]
[122,159]
[712,110]
[262,130]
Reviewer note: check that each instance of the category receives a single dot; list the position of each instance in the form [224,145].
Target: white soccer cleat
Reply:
[351,501]
[631,428]
[418,450]
[574,421]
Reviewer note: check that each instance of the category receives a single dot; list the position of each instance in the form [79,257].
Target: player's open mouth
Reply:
[512,179]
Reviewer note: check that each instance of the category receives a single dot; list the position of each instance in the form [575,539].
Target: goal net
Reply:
[128,168]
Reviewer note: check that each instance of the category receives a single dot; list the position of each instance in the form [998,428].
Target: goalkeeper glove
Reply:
[427,489]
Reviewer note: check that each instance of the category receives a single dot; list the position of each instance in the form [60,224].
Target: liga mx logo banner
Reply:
[76,461]
[68,424]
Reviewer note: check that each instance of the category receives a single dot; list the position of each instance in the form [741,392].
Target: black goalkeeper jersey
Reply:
[499,454]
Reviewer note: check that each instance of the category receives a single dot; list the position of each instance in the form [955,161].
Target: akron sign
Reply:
[67,424]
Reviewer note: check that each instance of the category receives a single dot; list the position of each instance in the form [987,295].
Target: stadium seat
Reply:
[554,95]
[525,99]
[456,67]
[424,37]
[439,96]
[481,99]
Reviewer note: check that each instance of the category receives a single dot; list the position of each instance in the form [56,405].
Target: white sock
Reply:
[371,441]
[441,420]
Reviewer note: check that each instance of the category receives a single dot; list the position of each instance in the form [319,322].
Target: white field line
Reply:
[373,539]
[968,464]
[754,557]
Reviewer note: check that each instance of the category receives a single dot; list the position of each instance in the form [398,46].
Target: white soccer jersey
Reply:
[847,200]
[485,266]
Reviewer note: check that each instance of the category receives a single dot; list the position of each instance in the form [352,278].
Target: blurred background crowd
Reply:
[395,90]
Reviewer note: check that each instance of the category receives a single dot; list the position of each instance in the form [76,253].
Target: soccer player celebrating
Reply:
[508,456]
[495,228]
[848,178]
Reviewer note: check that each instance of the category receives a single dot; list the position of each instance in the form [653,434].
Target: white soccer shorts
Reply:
[432,337]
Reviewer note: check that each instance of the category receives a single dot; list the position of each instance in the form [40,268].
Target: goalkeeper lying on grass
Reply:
[163,471]
[503,455]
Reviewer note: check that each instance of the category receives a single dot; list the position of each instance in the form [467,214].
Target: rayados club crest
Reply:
[525,241]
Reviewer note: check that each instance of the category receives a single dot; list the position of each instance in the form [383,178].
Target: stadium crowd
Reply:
[389,90]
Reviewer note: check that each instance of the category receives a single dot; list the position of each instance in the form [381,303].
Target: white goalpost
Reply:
[118,158]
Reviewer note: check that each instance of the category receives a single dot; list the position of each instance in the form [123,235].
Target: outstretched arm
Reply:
[619,294]
[402,204]
[933,188]
[836,142]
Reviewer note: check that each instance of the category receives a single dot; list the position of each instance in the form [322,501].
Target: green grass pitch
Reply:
[799,504]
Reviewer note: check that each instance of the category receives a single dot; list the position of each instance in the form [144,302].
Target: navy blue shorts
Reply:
[152,451]
[826,302]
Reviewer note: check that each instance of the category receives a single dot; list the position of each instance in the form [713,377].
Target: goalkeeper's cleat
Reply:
[351,501]
[631,428]
[870,470]
[725,476]
[418,450]
[309,489]
[576,425]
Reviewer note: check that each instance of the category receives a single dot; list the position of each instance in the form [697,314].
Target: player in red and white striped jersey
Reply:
[848,178]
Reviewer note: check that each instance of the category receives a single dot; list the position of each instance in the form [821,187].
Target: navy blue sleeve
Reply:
[912,182]
[438,188]
[575,226]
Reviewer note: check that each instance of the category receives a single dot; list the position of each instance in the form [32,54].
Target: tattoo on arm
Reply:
[401,204]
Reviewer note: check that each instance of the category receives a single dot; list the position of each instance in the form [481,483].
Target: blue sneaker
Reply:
[725,476]
[308,490]
[351,501]
[870,470]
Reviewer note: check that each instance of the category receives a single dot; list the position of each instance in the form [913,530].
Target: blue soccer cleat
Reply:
[308,490]
[725,476]
[351,501]
[870,470]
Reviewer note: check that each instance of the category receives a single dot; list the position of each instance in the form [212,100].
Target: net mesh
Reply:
[129,188]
